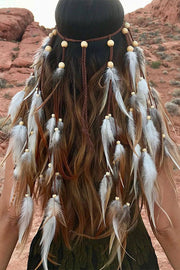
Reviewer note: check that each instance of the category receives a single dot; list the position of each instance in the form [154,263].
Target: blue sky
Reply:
[44,10]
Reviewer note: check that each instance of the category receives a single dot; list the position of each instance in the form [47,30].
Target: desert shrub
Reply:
[173,109]
[155,64]
[174,82]
[176,101]
[176,92]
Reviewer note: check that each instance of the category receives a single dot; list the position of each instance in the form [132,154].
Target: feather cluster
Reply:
[105,192]
[16,104]
[141,60]
[53,212]
[132,63]
[19,140]
[135,164]
[149,175]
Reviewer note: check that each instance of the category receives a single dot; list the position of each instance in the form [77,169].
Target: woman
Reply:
[90,141]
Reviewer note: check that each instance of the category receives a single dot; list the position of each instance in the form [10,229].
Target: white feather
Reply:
[142,92]
[36,102]
[135,164]
[30,94]
[53,211]
[55,138]
[16,104]
[141,60]
[119,151]
[57,184]
[105,192]
[50,126]
[107,139]
[58,73]
[152,137]
[18,141]
[131,60]
[60,125]
[112,76]
[149,175]
[26,216]
[131,127]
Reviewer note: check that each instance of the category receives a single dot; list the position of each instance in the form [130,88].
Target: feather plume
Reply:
[131,127]
[107,138]
[142,92]
[36,102]
[105,192]
[53,211]
[50,126]
[112,76]
[16,104]
[19,139]
[60,125]
[152,137]
[135,163]
[55,138]
[149,175]
[58,74]
[120,218]
[131,62]
[119,151]
[31,93]
[26,216]
[141,60]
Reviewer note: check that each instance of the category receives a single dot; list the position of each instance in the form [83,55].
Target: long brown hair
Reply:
[79,156]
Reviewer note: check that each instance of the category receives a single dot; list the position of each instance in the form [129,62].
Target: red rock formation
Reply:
[13,22]
[168,10]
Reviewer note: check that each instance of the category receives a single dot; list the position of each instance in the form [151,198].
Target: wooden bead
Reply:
[128,204]
[56,129]
[118,142]
[133,93]
[60,119]
[41,176]
[109,114]
[61,65]
[125,31]
[84,44]
[48,48]
[152,107]
[110,43]
[53,115]
[54,196]
[51,35]
[127,25]
[57,174]
[164,136]
[26,150]
[107,174]
[144,150]
[148,117]
[131,109]
[54,32]
[117,198]
[49,165]
[32,132]
[107,117]
[21,123]
[64,44]
[110,64]
[27,195]
[130,49]
[135,43]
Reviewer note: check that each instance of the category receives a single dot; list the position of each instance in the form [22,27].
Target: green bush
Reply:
[156,64]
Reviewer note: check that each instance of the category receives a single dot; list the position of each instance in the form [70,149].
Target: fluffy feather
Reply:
[53,211]
[119,151]
[131,62]
[142,92]
[18,141]
[152,137]
[149,175]
[55,138]
[26,216]
[36,102]
[112,76]
[135,164]
[31,93]
[58,74]
[105,192]
[50,126]
[57,184]
[131,127]
[16,104]
[141,60]
[107,138]
[60,125]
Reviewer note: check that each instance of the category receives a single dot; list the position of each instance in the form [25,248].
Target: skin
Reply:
[167,233]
